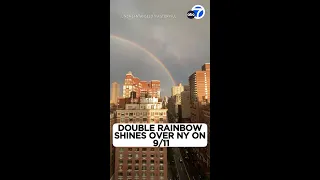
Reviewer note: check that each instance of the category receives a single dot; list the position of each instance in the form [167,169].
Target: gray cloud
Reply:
[180,43]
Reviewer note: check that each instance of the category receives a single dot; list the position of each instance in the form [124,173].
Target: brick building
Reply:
[142,88]
[199,83]
[137,162]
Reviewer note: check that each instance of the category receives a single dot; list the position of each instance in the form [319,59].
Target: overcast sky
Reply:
[182,44]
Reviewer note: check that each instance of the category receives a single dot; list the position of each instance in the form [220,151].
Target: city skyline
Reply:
[189,103]
[158,49]
[120,94]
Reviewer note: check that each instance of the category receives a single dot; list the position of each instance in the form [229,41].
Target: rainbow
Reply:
[146,51]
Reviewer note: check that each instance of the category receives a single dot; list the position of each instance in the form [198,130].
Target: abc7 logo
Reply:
[197,12]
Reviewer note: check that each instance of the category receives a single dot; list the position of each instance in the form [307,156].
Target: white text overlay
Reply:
[160,135]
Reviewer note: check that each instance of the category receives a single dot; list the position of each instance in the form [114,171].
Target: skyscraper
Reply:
[137,162]
[185,105]
[115,91]
[177,89]
[176,94]
[199,83]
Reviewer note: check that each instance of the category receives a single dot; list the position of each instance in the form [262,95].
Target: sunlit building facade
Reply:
[142,88]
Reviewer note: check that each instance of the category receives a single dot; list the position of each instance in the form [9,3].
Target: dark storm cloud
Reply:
[180,43]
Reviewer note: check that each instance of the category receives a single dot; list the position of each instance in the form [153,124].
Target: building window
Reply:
[128,173]
[137,114]
[161,173]
[137,155]
[120,167]
[136,168]
[161,114]
[137,149]
[130,149]
[121,150]
[152,120]
[161,161]
[161,120]
[161,149]
[144,120]
[120,174]
[122,120]
[144,174]
[144,161]
[122,114]
[130,155]
[137,174]
[121,156]
[129,161]
[152,161]
[129,167]
[161,155]
[120,161]
[152,155]
[130,114]
[137,161]
[161,168]
[152,174]
[130,120]
[151,167]
[144,149]
[144,167]
[145,113]
[144,155]
[126,114]
[151,149]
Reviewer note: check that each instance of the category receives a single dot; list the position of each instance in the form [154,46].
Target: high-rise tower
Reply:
[115,91]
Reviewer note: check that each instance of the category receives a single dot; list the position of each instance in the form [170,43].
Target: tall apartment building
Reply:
[137,162]
[171,109]
[176,99]
[199,83]
[177,89]
[185,105]
[186,88]
[115,92]
[142,88]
